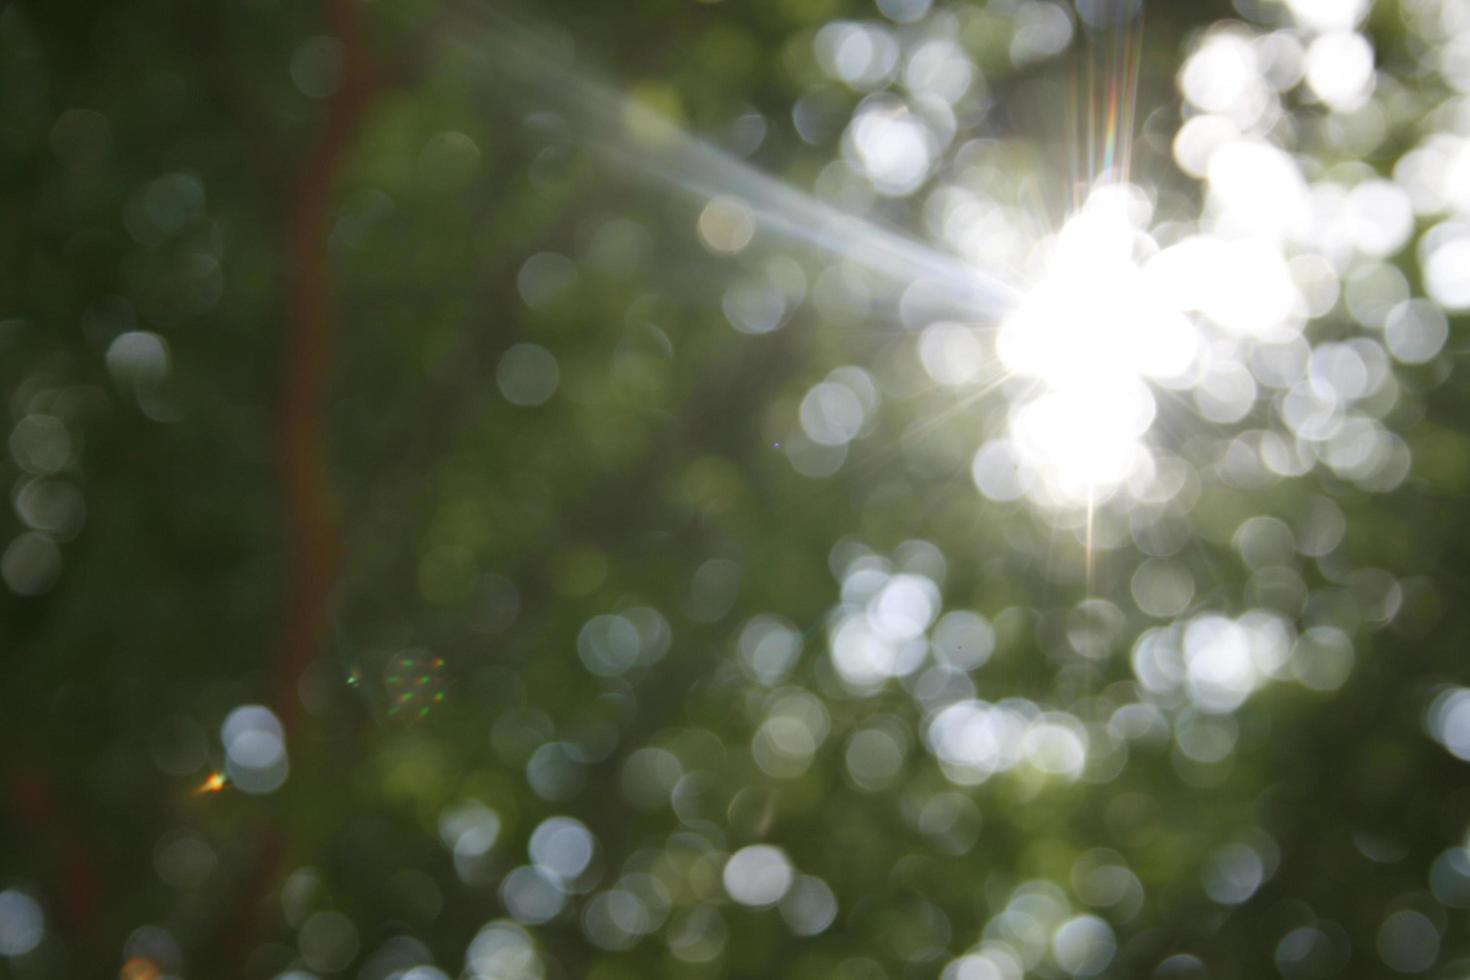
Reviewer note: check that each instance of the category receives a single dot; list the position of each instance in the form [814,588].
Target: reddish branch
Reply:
[311,530]
[36,803]
[312,541]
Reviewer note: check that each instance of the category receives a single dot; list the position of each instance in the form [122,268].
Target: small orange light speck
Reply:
[213,784]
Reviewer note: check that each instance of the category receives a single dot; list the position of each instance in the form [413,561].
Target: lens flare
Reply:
[215,782]
[415,684]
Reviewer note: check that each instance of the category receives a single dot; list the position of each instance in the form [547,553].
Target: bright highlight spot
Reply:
[758,875]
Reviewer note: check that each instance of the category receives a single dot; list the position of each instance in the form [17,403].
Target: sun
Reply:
[1092,334]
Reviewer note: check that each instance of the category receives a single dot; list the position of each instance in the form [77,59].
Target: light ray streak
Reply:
[884,455]
[1113,61]
[639,138]
[1122,94]
[923,428]
[1112,92]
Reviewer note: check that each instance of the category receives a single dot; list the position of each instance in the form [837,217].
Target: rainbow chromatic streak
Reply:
[1090,328]
[1114,51]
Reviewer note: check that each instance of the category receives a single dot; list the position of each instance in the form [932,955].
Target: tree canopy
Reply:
[735,488]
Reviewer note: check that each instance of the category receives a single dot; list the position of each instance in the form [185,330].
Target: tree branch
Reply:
[311,542]
[312,538]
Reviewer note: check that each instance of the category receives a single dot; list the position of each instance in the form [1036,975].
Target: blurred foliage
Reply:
[577,566]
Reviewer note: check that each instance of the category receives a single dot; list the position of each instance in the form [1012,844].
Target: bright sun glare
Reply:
[1091,334]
